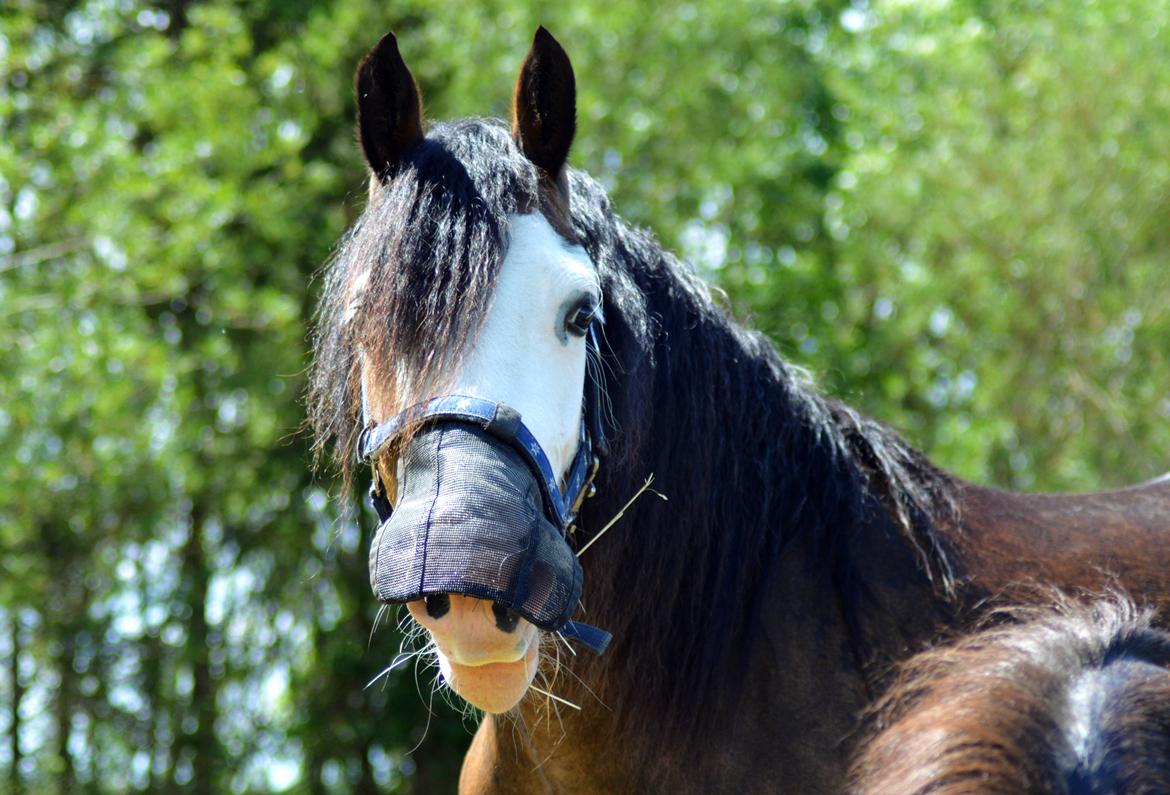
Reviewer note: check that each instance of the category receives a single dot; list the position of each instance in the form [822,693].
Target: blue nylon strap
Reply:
[562,501]
[594,639]
[456,407]
[506,424]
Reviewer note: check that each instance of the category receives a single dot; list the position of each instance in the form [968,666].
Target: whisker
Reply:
[549,705]
[399,660]
[563,640]
[382,610]
[406,622]
[588,689]
[427,728]
[556,744]
[564,701]
[549,682]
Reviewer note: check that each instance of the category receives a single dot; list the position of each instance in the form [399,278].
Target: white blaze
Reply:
[524,357]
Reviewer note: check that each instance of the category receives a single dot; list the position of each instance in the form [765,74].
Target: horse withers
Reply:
[804,549]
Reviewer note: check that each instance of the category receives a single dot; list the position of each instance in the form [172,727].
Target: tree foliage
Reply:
[953,212]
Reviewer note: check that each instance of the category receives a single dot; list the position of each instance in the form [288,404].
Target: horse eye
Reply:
[580,319]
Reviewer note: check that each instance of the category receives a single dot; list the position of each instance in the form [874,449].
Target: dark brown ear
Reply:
[545,104]
[389,110]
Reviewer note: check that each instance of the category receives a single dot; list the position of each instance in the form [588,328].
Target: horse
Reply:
[1073,698]
[802,550]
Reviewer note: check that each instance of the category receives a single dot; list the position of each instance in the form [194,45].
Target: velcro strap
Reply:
[594,639]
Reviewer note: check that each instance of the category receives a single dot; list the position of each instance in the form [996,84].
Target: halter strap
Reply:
[504,423]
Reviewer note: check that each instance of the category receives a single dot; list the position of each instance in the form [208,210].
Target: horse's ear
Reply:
[545,104]
[389,109]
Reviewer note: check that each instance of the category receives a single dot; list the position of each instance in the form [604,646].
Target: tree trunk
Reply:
[14,783]
[315,766]
[160,755]
[63,713]
[366,785]
[202,742]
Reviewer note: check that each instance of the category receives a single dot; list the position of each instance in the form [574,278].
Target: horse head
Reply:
[470,310]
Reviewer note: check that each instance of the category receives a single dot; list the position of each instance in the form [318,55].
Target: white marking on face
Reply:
[524,356]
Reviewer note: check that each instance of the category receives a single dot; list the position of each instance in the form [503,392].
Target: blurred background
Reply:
[954,213]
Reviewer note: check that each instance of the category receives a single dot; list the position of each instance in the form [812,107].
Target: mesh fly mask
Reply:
[478,510]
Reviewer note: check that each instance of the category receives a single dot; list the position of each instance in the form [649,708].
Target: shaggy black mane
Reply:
[749,455]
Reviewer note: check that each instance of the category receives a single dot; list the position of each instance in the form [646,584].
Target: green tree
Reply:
[951,212]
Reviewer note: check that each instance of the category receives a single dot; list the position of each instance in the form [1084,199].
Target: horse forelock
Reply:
[410,284]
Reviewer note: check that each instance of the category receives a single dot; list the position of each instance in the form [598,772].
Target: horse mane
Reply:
[1072,698]
[751,457]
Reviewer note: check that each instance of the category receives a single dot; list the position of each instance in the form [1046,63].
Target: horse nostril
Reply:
[437,604]
[506,617]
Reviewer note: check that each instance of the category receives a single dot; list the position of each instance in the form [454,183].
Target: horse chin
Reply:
[493,687]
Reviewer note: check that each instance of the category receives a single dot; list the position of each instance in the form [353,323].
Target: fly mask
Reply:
[478,510]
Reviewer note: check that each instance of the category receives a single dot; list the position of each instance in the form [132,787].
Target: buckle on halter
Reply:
[588,489]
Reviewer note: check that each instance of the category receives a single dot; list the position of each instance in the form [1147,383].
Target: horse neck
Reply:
[763,482]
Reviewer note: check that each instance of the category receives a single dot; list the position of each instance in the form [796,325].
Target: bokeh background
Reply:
[955,213]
